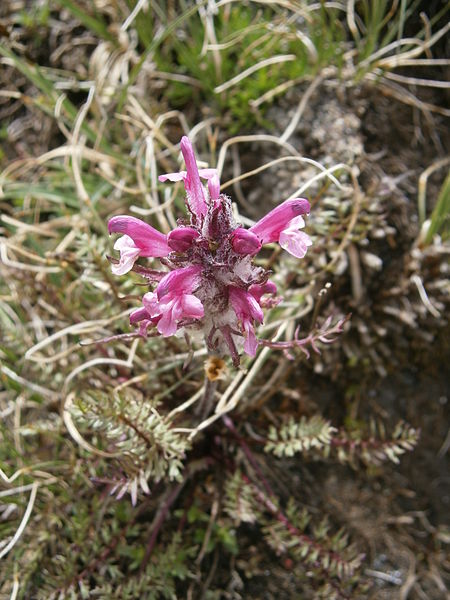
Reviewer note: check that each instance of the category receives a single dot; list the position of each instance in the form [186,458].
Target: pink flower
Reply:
[174,301]
[213,284]
[141,316]
[181,238]
[245,242]
[257,290]
[184,281]
[196,197]
[282,223]
[247,310]
[294,241]
[140,239]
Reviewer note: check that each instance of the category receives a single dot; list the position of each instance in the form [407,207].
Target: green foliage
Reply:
[313,545]
[316,437]
[439,220]
[295,437]
[205,528]
[159,578]
[247,36]
[131,427]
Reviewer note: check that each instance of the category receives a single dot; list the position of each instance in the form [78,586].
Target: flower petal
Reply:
[180,176]
[129,253]
[245,242]
[268,228]
[171,313]
[251,343]
[149,240]
[180,281]
[192,307]
[196,194]
[294,241]
[181,238]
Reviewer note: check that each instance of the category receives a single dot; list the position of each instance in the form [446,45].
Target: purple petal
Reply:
[294,241]
[171,313]
[129,253]
[181,176]
[214,187]
[245,305]
[181,238]
[151,304]
[251,343]
[139,315]
[192,307]
[257,290]
[245,242]
[268,229]
[196,194]
[208,173]
[180,281]
[149,240]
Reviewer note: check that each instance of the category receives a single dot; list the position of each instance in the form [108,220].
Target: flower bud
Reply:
[245,242]
[181,238]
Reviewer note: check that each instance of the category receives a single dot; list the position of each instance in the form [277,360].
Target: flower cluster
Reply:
[212,284]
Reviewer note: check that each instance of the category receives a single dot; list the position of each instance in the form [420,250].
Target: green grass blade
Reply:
[94,24]
[439,221]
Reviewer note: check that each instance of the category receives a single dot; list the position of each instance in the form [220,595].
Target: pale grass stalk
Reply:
[57,112]
[173,114]
[67,240]
[151,198]
[15,587]
[351,22]
[391,61]
[118,185]
[225,405]
[26,164]
[25,488]
[136,109]
[133,14]
[23,227]
[424,296]
[150,166]
[177,77]
[132,381]
[10,94]
[422,185]
[417,81]
[280,58]
[182,407]
[76,435]
[23,523]
[236,38]
[23,266]
[304,103]
[19,403]
[200,126]
[76,329]
[250,138]
[326,173]
[27,253]
[210,37]
[279,89]
[405,96]
[128,363]
[47,393]
[424,62]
